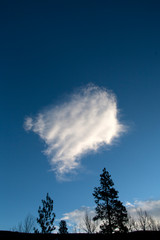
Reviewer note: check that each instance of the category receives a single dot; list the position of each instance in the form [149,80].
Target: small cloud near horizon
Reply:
[87,120]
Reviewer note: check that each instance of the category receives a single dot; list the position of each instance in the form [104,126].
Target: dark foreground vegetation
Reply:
[111,220]
[139,235]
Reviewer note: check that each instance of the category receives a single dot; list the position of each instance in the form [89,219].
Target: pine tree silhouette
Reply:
[109,209]
[46,216]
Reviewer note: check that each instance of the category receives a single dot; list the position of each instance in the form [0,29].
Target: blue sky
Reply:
[49,50]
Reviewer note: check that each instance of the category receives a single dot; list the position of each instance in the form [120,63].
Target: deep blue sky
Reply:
[49,48]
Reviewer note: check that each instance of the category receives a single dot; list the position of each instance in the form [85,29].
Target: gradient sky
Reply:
[48,50]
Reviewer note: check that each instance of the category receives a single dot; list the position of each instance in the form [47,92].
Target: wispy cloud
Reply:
[87,120]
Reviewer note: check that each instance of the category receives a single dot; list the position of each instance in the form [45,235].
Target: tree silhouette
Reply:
[46,216]
[88,225]
[142,222]
[63,227]
[109,209]
[27,226]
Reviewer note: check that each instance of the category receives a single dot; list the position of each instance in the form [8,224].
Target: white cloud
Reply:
[85,122]
[28,124]
[77,215]
[76,218]
[152,207]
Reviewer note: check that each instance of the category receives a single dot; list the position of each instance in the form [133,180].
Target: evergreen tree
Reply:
[63,227]
[46,216]
[109,209]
